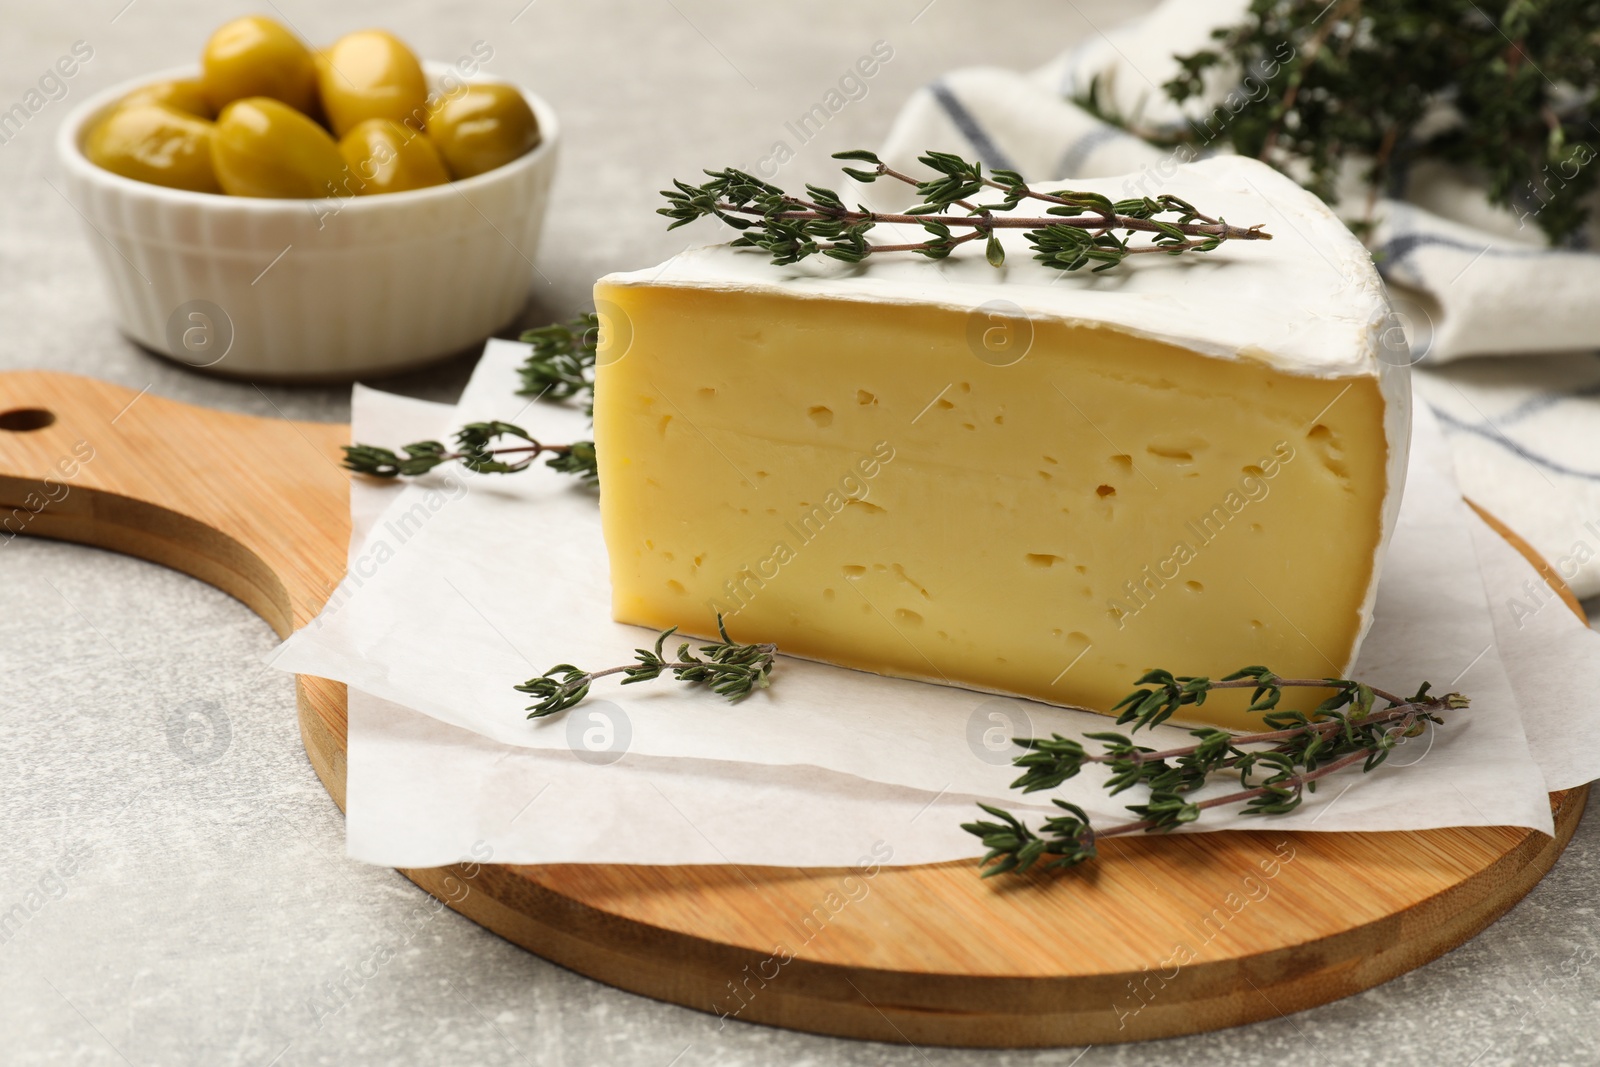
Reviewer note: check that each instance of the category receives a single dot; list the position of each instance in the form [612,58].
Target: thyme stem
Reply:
[1325,726]
[983,223]
[1295,782]
[537,449]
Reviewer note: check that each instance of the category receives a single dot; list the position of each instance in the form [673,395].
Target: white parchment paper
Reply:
[465,584]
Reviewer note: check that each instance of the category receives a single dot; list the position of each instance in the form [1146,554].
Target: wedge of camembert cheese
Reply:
[1014,479]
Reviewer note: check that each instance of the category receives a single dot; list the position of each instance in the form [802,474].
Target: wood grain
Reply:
[1161,936]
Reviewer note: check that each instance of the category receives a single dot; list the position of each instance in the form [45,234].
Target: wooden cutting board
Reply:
[1160,936]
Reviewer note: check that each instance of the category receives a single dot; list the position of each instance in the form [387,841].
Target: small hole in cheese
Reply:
[1106,490]
[907,616]
[1043,559]
[1329,449]
[675,585]
[820,415]
[865,398]
[1194,587]
[900,572]
[1124,462]
[853,570]
[707,393]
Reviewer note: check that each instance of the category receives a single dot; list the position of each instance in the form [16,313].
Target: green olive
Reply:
[385,157]
[157,144]
[481,127]
[371,75]
[181,94]
[265,148]
[255,56]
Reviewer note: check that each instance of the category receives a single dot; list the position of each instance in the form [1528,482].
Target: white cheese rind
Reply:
[1306,302]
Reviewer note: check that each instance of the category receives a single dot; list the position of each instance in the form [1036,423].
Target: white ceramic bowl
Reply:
[311,290]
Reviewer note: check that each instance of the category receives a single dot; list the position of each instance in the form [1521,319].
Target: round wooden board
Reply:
[1161,936]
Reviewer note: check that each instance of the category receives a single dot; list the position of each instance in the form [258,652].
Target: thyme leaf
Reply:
[560,364]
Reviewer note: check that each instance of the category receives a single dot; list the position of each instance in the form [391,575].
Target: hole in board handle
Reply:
[26,420]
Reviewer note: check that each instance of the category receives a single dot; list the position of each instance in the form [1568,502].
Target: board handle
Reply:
[237,501]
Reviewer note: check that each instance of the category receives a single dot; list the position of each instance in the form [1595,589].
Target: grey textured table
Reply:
[193,905]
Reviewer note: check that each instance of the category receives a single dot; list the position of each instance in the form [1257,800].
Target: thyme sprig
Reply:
[560,365]
[1077,229]
[1276,767]
[729,669]
[1506,93]
[473,452]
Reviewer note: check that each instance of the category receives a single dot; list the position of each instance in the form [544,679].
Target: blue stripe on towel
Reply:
[1079,151]
[1489,433]
[1547,400]
[987,150]
[1398,248]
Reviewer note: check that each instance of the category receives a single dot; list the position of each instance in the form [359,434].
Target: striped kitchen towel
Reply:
[1468,279]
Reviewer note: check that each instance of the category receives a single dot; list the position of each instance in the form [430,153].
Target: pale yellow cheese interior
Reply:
[851,481]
